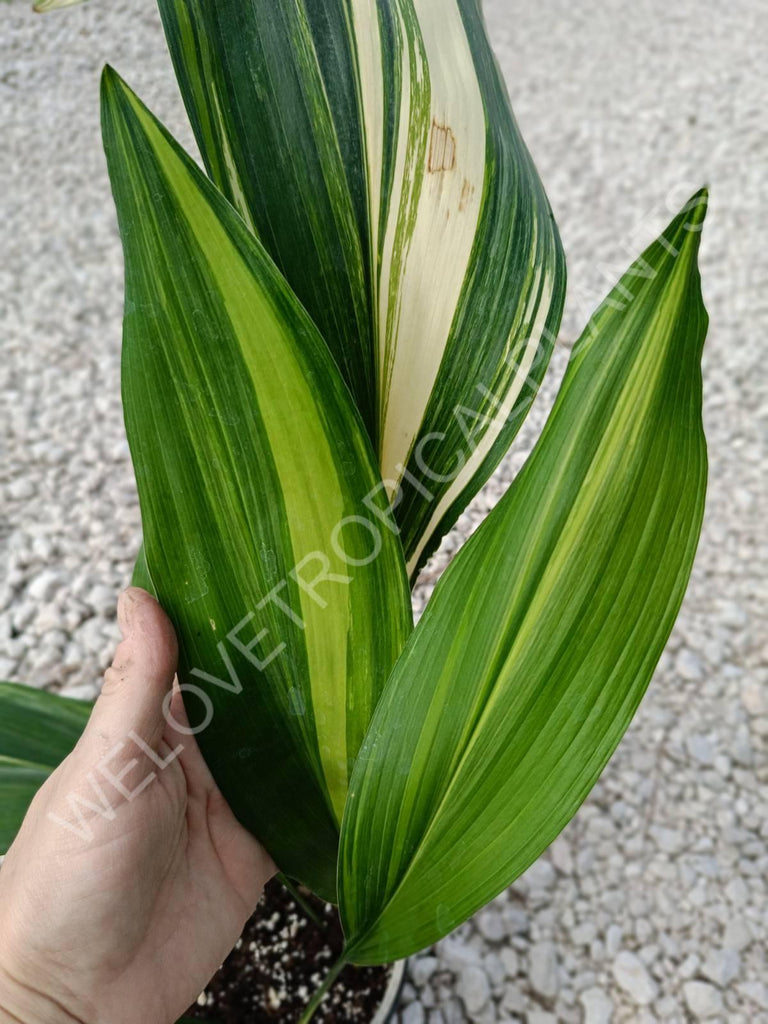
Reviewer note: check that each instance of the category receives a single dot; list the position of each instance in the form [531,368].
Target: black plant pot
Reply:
[282,958]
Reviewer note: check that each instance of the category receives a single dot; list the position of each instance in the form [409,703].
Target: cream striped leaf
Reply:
[259,496]
[383,155]
[541,637]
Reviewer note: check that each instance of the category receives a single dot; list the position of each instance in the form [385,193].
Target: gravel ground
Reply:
[652,906]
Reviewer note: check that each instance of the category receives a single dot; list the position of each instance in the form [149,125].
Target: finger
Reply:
[141,674]
[178,736]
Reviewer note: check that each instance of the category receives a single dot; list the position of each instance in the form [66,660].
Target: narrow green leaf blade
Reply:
[37,726]
[373,149]
[19,781]
[261,504]
[37,731]
[543,634]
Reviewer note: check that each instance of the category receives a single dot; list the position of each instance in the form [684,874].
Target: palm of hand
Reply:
[129,925]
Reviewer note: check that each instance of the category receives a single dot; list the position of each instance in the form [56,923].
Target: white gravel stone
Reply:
[7,668]
[517,921]
[490,924]
[754,697]
[632,976]
[756,992]
[44,585]
[511,962]
[701,750]
[613,937]
[722,966]
[702,999]
[688,665]
[421,969]
[20,490]
[413,1014]
[737,935]
[474,988]
[513,999]
[543,972]
[597,1005]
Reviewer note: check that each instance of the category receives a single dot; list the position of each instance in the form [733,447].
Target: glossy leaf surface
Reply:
[372,147]
[541,637]
[265,533]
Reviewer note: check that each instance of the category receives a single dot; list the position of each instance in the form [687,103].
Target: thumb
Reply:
[141,673]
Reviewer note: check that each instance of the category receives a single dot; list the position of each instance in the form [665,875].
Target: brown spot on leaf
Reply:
[467,191]
[442,148]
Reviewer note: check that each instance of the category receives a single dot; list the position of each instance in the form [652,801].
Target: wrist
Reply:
[24,1004]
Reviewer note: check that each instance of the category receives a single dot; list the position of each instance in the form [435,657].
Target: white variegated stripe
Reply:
[431,229]
[538,306]
[364,26]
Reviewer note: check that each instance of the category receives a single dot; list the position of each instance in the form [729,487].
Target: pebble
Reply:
[543,969]
[597,1005]
[490,924]
[474,988]
[513,999]
[540,1017]
[722,966]
[421,969]
[613,937]
[20,490]
[44,586]
[688,665]
[737,935]
[510,961]
[413,1014]
[756,992]
[754,697]
[701,750]
[702,999]
[632,976]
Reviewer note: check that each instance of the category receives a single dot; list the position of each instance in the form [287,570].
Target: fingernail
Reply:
[125,606]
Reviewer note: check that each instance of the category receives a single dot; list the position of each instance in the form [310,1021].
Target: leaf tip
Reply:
[697,207]
[109,79]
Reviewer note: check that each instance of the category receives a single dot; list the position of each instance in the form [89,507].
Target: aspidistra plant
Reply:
[372,148]
[330,341]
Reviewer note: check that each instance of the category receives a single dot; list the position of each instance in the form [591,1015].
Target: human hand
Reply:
[127,926]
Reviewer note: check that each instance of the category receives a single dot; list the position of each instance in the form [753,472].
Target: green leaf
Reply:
[372,147]
[42,6]
[257,103]
[141,575]
[542,636]
[37,731]
[261,505]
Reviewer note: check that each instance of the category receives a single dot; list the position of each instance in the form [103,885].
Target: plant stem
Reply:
[321,993]
[305,905]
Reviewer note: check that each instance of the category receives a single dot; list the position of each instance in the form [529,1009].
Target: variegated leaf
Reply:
[265,533]
[371,145]
[541,637]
